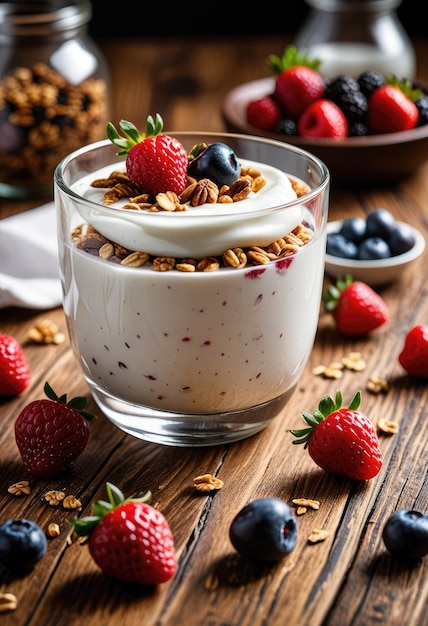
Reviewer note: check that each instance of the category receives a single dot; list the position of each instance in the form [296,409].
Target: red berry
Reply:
[297,88]
[341,440]
[323,118]
[298,82]
[15,374]
[414,355]
[51,434]
[390,110]
[129,539]
[264,113]
[155,162]
[356,308]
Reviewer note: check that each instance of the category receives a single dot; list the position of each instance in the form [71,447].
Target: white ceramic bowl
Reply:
[373,273]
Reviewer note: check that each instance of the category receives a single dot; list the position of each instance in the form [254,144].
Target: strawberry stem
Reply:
[406,87]
[291,57]
[326,407]
[332,294]
[86,525]
[78,403]
[131,134]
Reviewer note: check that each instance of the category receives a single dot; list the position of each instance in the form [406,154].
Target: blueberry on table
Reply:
[217,161]
[264,530]
[380,223]
[405,535]
[22,544]
[340,246]
[373,248]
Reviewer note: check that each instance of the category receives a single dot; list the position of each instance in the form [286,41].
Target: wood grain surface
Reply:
[347,580]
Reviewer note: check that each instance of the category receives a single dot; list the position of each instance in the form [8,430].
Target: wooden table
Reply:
[347,579]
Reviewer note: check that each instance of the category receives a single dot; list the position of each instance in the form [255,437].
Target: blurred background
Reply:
[220,19]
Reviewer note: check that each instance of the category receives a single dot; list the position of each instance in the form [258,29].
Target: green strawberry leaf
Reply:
[131,135]
[155,127]
[291,57]
[326,407]
[84,526]
[115,495]
[78,403]
[406,87]
[355,402]
[101,508]
[333,292]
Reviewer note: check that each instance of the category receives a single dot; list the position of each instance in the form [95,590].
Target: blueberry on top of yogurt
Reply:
[217,161]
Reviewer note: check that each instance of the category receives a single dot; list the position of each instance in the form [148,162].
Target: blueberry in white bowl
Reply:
[375,250]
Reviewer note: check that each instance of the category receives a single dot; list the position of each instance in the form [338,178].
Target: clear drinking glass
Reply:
[192,358]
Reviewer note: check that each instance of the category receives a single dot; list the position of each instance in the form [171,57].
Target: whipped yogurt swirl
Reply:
[204,230]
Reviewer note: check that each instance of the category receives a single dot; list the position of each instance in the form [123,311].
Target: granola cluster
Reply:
[197,192]
[43,118]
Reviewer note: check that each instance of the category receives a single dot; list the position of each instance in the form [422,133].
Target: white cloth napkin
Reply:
[29,269]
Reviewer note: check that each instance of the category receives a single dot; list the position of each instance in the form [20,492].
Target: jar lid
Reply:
[40,18]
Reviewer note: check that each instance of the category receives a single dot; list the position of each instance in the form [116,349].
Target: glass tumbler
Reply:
[207,355]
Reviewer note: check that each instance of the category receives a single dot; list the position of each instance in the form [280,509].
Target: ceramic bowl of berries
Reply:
[376,249]
[370,129]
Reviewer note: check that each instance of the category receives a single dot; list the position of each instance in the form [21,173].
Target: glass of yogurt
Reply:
[192,327]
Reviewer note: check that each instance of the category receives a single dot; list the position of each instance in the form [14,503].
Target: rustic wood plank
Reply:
[349,578]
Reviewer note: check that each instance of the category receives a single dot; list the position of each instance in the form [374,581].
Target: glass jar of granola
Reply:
[54,91]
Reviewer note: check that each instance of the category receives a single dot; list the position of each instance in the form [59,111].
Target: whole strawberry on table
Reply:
[15,373]
[341,440]
[129,539]
[51,433]
[355,307]
[414,354]
[305,104]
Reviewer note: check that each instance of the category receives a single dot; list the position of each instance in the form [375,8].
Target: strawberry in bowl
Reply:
[384,137]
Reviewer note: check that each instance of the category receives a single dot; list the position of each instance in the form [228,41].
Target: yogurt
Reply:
[208,229]
[203,345]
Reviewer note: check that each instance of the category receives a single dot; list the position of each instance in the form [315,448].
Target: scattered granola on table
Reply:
[387,427]
[207,482]
[318,535]
[20,488]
